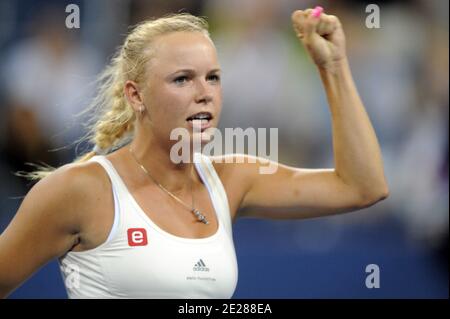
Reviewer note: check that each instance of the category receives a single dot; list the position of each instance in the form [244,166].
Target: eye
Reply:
[214,78]
[181,79]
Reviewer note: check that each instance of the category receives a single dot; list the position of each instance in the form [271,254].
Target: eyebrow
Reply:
[193,71]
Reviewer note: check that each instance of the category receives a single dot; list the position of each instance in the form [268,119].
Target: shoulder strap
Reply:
[212,181]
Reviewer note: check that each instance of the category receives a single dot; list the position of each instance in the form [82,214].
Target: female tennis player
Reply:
[125,221]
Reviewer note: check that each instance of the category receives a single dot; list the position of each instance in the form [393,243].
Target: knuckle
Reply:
[334,19]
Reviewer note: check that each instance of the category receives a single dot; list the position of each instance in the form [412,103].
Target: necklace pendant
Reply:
[200,216]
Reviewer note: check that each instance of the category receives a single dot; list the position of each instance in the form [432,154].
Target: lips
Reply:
[200,125]
[200,116]
[201,120]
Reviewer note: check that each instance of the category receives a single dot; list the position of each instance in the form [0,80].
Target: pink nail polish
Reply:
[317,11]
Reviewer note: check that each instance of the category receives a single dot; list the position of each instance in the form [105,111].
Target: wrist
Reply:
[333,66]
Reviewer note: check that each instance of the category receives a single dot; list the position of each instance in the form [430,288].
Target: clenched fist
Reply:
[321,34]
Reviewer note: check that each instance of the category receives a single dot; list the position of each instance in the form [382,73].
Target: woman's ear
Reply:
[133,95]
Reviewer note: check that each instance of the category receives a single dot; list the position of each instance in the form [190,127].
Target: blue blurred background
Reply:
[401,71]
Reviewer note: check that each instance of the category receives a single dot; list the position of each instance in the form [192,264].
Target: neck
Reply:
[156,160]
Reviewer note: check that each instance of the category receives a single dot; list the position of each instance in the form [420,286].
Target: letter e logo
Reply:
[137,237]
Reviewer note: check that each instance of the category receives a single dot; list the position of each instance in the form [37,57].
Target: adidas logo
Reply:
[200,266]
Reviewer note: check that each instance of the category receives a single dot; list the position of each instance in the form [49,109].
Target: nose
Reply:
[204,94]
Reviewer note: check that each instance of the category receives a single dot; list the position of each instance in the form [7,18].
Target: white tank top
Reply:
[141,260]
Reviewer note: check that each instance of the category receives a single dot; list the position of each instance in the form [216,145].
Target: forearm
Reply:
[357,155]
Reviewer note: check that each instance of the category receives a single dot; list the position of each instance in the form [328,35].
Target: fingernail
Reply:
[317,11]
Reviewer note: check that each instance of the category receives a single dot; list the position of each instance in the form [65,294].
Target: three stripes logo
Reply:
[200,266]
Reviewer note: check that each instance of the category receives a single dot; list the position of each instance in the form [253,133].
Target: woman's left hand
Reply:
[322,36]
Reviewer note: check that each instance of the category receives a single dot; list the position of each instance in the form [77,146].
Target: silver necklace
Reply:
[196,212]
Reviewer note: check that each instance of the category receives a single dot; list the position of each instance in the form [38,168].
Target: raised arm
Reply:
[357,180]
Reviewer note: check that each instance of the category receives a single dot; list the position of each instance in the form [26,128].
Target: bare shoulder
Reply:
[236,172]
[70,191]
[240,170]
[75,181]
[234,165]
[87,177]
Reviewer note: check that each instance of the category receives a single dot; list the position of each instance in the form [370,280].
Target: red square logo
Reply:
[137,237]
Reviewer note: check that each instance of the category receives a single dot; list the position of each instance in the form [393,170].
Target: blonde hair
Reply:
[112,124]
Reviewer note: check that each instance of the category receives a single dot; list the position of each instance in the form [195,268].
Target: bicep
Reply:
[298,193]
[42,229]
